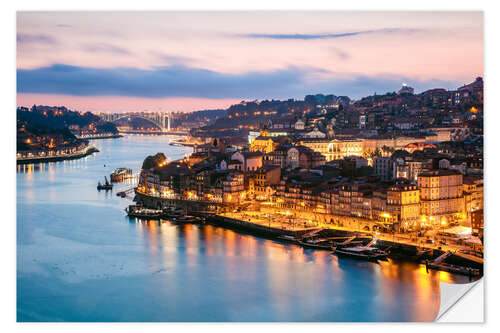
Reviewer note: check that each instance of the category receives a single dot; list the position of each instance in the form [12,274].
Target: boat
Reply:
[170,213]
[120,174]
[287,238]
[317,245]
[453,268]
[185,219]
[106,186]
[440,264]
[137,211]
[400,254]
[362,252]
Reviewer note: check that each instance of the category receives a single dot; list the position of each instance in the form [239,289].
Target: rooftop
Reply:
[440,172]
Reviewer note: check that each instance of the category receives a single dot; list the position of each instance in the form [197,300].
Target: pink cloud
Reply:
[118,103]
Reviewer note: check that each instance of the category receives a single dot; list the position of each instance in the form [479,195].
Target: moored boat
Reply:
[469,271]
[287,238]
[120,175]
[172,213]
[362,252]
[106,186]
[311,244]
[138,211]
[185,219]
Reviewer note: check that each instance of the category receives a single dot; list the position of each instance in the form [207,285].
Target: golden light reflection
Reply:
[426,299]
[321,257]
[445,277]
[275,251]
[286,264]
[152,227]
[229,242]
[208,234]
[297,253]
[191,234]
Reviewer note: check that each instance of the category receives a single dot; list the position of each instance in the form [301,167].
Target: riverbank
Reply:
[182,143]
[56,158]
[155,133]
[237,275]
[395,250]
[268,231]
[274,227]
[269,218]
[99,136]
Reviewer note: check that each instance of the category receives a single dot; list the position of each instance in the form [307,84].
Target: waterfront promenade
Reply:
[285,222]
[54,155]
[294,220]
[95,136]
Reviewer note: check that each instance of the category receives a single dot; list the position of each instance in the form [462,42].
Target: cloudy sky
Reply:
[112,61]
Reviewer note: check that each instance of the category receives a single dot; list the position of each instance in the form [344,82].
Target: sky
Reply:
[185,61]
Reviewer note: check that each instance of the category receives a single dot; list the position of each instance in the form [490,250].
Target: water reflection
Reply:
[187,271]
[289,270]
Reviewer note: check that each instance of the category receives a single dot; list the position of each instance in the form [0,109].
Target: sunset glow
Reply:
[194,60]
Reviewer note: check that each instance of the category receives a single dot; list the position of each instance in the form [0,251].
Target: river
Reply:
[79,258]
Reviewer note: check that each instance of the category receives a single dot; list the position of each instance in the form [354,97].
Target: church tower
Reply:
[330,133]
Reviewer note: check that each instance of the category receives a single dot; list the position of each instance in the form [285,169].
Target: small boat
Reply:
[120,175]
[106,186]
[453,268]
[172,213]
[287,238]
[362,252]
[311,244]
[185,219]
[138,211]
[416,256]
[348,242]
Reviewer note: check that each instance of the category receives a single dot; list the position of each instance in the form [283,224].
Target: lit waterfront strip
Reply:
[289,220]
[98,136]
[60,155]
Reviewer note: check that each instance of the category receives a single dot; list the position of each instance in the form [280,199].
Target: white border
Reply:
[492,107]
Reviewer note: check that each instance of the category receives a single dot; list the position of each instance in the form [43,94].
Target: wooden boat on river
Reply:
[368,253]
[137,211]
[120,175]
[185,219]
[316,245]
[106,186]
[364,252]
[287,238]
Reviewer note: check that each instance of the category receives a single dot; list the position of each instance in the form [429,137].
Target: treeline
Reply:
[59,117]
[210,115]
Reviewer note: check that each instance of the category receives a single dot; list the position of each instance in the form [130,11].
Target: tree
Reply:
[311,100]
[153,161]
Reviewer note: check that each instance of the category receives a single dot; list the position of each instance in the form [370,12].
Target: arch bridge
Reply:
[160,120]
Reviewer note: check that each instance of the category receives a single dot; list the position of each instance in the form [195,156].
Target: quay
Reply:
[53,156]
[99,136]
[177,133]
[282,227]
[182,143]
[255,228]
[455,263]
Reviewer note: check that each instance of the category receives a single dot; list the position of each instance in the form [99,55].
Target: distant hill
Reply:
[203,116]
[45,127]
[60,117]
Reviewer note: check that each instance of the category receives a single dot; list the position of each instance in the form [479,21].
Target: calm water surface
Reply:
[79,258]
